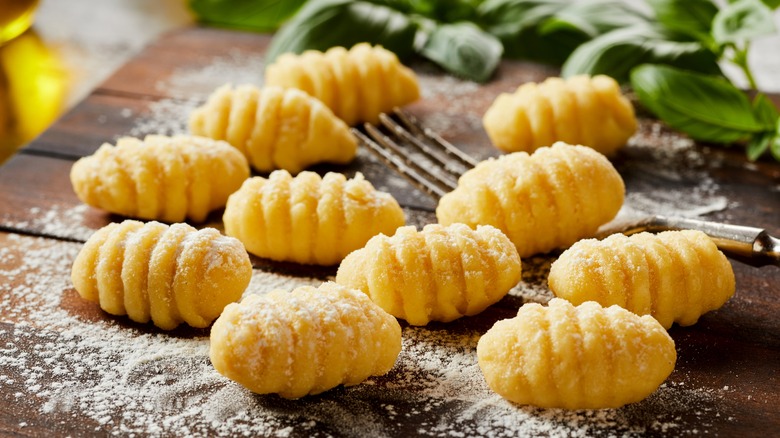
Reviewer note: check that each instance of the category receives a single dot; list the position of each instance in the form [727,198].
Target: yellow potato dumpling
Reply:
[305,341]
[275,128]
[309,219]
[584,357]
[438,274]
[674,276]
[578,110]
[357,84]
[166,274]
[547,200]
[162,178]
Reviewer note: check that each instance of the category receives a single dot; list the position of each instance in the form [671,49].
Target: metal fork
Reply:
[433,165]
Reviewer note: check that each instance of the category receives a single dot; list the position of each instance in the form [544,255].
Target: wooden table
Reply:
[67,368]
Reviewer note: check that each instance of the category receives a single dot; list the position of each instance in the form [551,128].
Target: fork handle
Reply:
[753,246]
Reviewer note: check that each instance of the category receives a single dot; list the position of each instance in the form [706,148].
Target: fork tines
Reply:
[420,155]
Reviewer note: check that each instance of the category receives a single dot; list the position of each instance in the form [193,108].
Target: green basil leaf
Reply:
[323,24]
[742,21]
[593,18]
[259,15]
[517,24]
[765,110]
[759,145]
[772,4]
[464,50]
[616,53]
[446,11]
[691,17]
[774,147]
[707,108]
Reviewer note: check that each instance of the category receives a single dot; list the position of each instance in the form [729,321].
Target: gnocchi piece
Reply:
[309,219]
[161,178]
[305,341]
[584,357]
[357,84]
[438,274]
[674,276]
[579,110]
[543,201]
[275,128]
[166,274]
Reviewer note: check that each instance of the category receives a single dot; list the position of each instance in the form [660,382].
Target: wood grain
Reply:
[730,360]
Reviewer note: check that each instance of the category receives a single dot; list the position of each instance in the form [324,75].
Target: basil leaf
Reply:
[759,145]
[765,110]
[616,53]
[517,24]
[593,18]
[323,24]
[707,108]
[446,11]
[772,4]
[464,50]
[742,21]
[691,17]
[774,147]
[259,15]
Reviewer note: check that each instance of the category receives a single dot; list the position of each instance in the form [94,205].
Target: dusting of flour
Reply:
[122,378]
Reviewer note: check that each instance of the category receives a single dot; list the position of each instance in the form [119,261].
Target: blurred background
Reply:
[54,52]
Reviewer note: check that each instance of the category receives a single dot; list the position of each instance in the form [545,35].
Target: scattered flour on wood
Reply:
[235,67]
[120,378]
[55,221]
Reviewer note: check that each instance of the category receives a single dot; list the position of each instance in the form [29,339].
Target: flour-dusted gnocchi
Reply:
[275,128]
[357,84]
[584,357]
[305,341]
[308,219]
[579,110]
[674,276]
[166,274]
[438,274]
[162,178]
[543,201]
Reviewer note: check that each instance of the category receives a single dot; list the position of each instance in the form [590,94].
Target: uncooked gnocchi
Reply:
[166,274]
[161,178]
[584,357]
[357,84]
[305,341]
[543,201]
[578,110]
[674,276]
[438,274]
[275,128]
[309,219]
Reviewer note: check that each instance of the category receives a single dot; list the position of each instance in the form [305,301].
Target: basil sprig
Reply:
[708,108]
[257,15]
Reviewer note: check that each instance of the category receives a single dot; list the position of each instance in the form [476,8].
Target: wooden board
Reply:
[67,368]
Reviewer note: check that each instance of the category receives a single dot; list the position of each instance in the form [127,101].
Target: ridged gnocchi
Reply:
[305,341]
[543,201]
[159,177]
[674,276]
[357,84]
[584,357]
[437,274]
[166,274]
[275,128]
[308,219]
[579,110]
